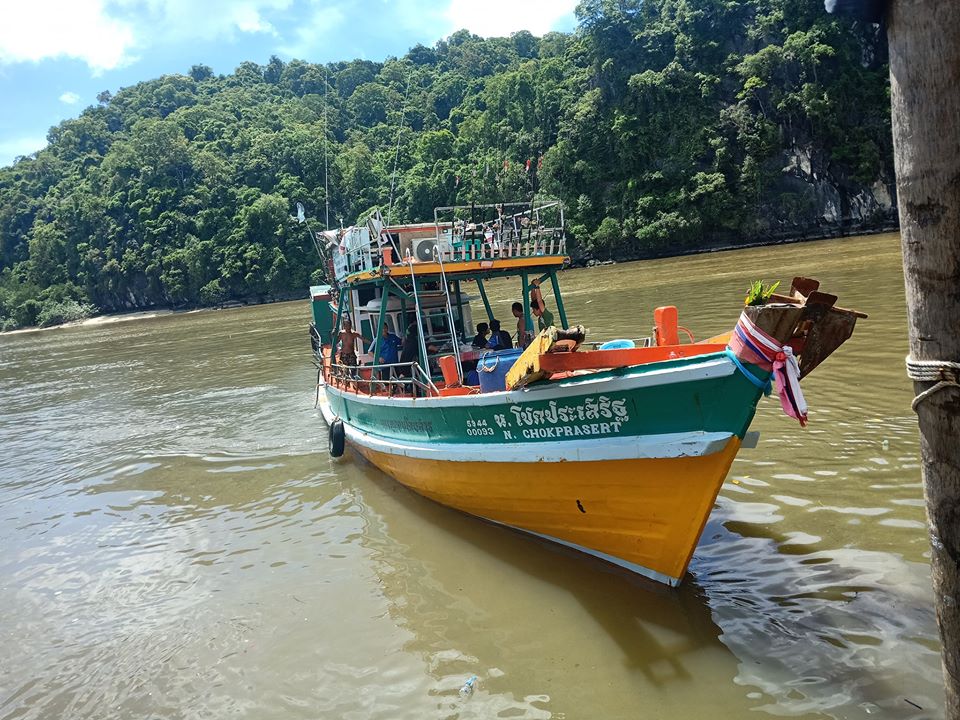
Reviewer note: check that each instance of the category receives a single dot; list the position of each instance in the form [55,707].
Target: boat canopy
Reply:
[384,269]
[478,240]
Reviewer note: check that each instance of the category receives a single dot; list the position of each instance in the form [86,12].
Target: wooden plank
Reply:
[527,368]
[602,359]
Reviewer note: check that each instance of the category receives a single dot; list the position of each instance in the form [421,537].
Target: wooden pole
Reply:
[924,38]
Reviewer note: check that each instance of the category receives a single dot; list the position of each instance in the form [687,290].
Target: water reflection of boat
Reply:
[649,636]
[615,450]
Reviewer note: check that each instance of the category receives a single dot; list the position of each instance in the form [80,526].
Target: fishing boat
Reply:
[615,448]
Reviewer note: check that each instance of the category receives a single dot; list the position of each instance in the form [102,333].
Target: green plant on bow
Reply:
[758,294]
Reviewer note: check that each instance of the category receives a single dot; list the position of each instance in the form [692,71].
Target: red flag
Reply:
[528,165]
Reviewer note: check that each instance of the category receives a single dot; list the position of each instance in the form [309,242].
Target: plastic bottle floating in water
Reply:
[468,686]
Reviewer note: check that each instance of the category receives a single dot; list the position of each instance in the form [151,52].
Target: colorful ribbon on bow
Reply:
[752,345]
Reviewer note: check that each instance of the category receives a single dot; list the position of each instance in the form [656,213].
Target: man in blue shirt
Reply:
[389,349]
[499,339]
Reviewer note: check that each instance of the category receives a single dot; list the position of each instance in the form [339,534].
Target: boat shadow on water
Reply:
[577,626]
[790,629]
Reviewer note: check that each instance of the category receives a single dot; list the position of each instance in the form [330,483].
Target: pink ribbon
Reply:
[752,345]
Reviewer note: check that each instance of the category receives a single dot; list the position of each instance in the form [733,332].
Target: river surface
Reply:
[176,543]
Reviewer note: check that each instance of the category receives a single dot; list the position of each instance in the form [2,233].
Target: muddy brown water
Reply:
[176,543]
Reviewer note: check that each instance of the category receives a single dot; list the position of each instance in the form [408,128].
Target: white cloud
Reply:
[15,147]
[103,33]
[493,18]
[315,31]
[69,98]
[174,21]
[39,29]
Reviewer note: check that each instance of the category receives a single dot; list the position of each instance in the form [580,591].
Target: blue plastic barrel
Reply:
[493,368]
[617,345]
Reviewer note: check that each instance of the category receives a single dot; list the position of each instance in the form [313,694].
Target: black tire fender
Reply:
[337,438]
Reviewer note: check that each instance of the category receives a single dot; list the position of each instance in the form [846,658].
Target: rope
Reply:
[764,385]
[752,345]
[943,372]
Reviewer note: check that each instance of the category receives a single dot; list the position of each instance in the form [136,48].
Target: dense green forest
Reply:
[662,124]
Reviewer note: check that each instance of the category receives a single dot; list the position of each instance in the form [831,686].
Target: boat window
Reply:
[365,293]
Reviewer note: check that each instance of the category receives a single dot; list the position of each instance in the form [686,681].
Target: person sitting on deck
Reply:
[539,309]
[348,343]
[523,337]
[480,339]
[499,339]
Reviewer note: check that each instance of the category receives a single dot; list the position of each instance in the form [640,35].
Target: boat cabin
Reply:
[425,275]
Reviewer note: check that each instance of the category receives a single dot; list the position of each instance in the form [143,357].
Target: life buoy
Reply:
[336,438]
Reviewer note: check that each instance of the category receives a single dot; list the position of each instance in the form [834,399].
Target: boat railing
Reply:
[501,230]
[464,244]
[396,379]
[472,245]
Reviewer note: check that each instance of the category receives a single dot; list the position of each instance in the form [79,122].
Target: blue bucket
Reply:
[618,345]
[493,368]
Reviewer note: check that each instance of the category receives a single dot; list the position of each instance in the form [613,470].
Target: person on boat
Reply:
[480,339]
[410,349]
[544,316]
[389,351]
[523,337]
[348,343]
[499,339]
[539,308]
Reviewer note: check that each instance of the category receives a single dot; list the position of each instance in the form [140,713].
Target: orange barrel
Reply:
[665,325]
[448,366]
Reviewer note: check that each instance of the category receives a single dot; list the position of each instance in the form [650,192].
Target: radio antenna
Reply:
[326,173]
[396,154]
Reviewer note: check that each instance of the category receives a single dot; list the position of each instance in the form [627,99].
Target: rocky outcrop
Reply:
[813,196]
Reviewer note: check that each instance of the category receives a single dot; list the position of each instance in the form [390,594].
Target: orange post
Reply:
[665,325]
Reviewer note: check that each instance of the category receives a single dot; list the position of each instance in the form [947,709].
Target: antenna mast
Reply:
[326,173]
[396,155]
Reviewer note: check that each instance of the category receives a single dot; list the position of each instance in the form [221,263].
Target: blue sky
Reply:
[56,55]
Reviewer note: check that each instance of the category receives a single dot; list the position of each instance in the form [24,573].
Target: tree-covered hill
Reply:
[662,124]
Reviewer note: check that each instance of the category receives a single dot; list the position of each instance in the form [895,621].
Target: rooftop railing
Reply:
[458,233]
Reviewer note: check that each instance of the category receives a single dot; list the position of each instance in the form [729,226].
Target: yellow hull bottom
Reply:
[646,514]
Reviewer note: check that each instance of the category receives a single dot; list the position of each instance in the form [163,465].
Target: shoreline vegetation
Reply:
[146,314]
[665,127]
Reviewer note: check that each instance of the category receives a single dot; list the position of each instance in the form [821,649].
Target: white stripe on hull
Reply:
[666,445]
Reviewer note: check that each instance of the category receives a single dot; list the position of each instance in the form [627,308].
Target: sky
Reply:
[57,55]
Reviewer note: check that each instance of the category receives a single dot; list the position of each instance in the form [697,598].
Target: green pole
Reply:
[463,328]
[483,296]
[341,301]
[420,329]
[377,331]
[558,299]
[544,276]
[527,320]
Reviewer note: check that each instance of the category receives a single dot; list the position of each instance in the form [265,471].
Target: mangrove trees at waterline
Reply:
[662,124]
